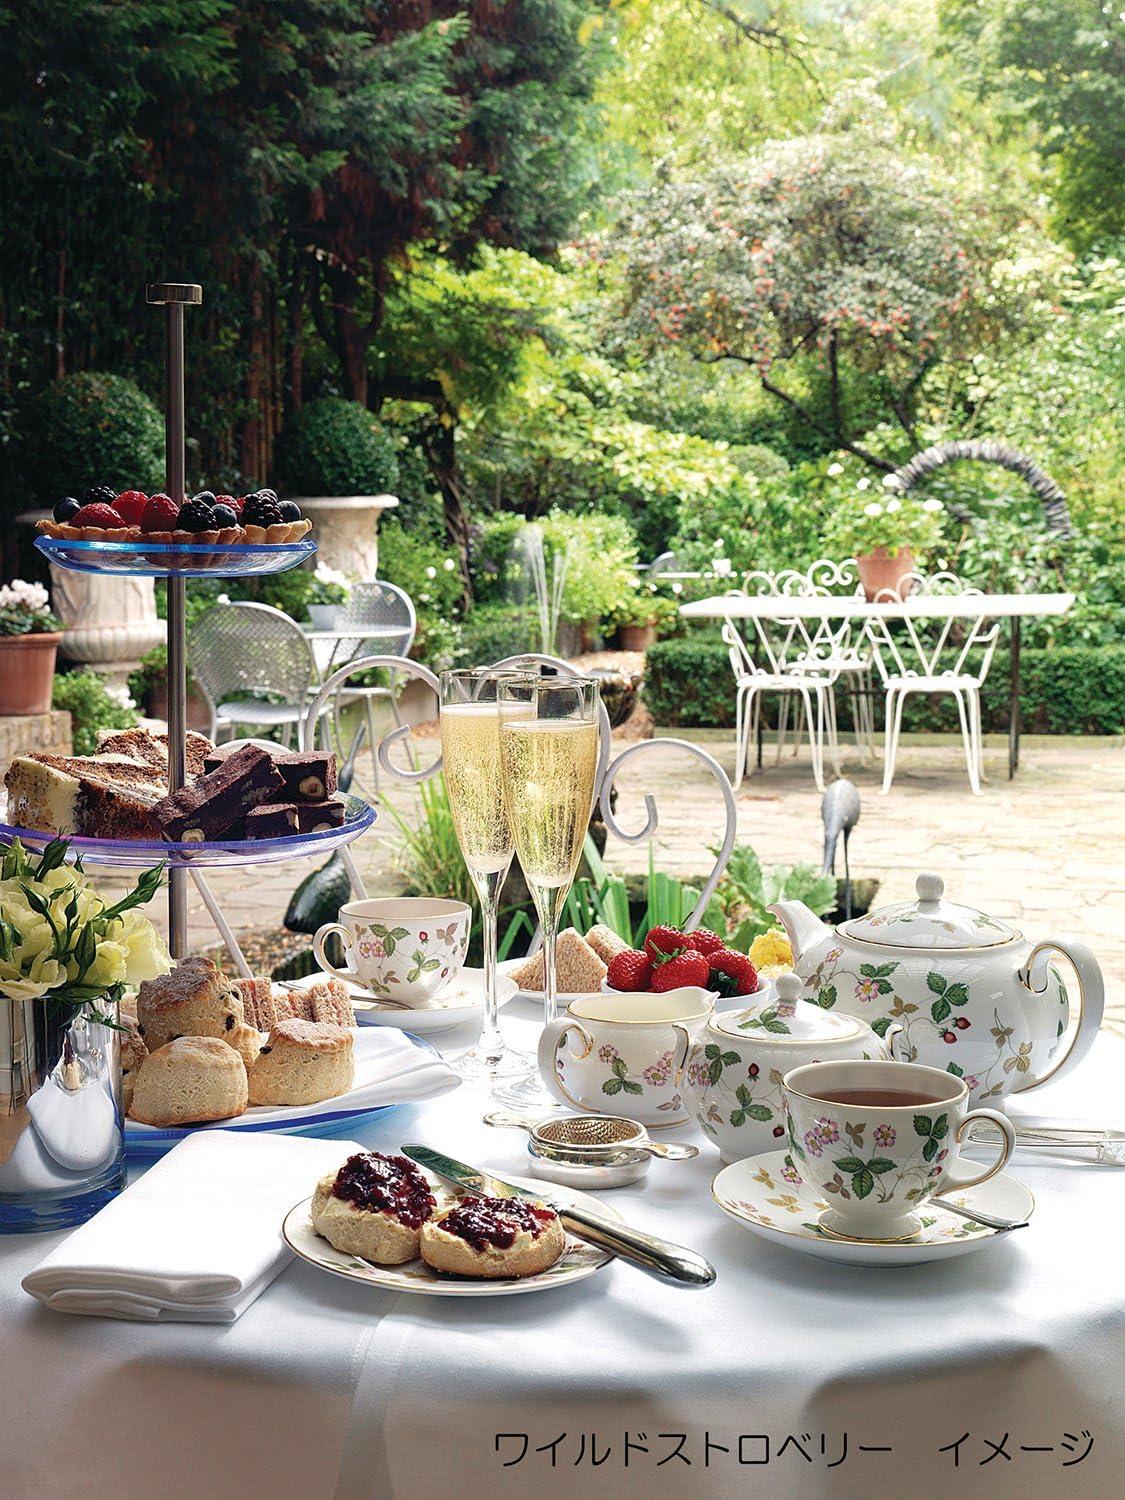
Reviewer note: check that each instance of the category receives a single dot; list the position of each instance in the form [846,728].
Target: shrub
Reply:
[494,631]
[600,570]
[428,573]
[93,428]
[1063,690]
[92,708]
[336,447]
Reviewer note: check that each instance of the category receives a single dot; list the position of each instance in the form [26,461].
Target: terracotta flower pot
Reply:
[881,571]
[636,637]
[27,672]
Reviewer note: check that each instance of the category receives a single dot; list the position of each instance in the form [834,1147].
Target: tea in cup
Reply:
[880,1139]
[624,1054]
[404,948]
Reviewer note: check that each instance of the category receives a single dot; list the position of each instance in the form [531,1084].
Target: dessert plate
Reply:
[577,1261]
[371,1093]
[563,998]
[766,1195]
[462,1000]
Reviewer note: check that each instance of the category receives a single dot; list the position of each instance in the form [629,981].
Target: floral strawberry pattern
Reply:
[392,958]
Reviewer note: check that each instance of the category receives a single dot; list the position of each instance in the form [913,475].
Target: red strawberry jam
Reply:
[385,1184]
[496,1221]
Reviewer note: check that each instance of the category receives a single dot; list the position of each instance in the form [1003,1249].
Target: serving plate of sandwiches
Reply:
[581,964]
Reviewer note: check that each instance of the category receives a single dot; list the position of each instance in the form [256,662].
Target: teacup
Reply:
[624,1054]
[880,1139]
[405,948]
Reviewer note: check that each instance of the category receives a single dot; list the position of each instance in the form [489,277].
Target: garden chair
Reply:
[834,646]
[950,655]
[385,623]
[253,666]
[752,680]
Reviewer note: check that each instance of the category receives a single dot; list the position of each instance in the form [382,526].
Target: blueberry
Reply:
[223,515]
[65,509]
[290,510]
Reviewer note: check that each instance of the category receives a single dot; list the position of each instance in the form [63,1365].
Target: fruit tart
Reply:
[132,516]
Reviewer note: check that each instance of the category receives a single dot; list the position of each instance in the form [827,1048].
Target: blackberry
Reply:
[268,495]
[224,515]
[205,497]
[100,494]
[196,517]
[259,510]
[66,509]
[290,510]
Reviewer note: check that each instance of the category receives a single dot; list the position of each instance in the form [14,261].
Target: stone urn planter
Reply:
[346,530]
[882,571]
[27,672]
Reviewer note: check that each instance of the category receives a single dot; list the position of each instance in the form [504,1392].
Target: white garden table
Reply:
[784,607]
[327,1391]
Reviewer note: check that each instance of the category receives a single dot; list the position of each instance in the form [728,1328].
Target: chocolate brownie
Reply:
[271,820]
[211,806]
[308,777]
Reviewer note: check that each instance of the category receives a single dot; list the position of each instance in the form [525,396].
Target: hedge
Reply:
[1063,690]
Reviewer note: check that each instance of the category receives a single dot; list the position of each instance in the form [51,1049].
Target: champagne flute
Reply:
[470,747]
[549,749]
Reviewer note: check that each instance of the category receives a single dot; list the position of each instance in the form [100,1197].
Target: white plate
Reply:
[563,998]
[577,1261]
[460,1001]
[757,1194]
[145,1142]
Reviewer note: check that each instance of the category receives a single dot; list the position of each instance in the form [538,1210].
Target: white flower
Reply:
[933,506]
[890,481]
[892,506]
[331,575]
[677,588]
[449,565]
[873,508]
[863,484]
[119,692]
[719,545]
[834,469]
[22,595]
[431,572]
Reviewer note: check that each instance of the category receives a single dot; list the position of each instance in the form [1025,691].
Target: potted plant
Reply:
[328,592]
[638,616]
[29,643]
[66,957]
[884,533]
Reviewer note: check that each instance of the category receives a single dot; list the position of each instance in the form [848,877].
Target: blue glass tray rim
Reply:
[121,549]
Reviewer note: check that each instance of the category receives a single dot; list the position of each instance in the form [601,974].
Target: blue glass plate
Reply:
[191,560]
[140,853]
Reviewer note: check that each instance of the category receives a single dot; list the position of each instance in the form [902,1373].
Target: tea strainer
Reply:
[591,1150]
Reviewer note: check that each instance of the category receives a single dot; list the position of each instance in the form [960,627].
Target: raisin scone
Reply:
[493,1238]
[247,1042]
[195,999]
[375,1206]
[302,1062]
[133,1053]
[188,1081]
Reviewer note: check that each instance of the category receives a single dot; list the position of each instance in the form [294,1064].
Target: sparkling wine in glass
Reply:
[549,749]
[470,747]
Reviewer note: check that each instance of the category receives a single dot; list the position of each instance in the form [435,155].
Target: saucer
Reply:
[766,1195]
[461,1000]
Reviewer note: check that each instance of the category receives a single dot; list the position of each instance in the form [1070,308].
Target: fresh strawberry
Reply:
[732,973]
[98,514]
[662,942]
[703,940]
[687,967]
[160,514]
[629,970]
[131,506]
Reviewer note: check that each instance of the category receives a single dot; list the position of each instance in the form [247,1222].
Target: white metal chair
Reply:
[917,665]
[385,624]
[834,645]
[751,681]
[253,666]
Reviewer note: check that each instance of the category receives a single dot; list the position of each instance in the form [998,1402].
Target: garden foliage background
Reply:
[700,271]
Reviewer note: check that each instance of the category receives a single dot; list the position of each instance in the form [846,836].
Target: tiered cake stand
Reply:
[175,564]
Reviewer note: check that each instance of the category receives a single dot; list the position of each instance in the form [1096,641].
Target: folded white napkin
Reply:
[193,1240]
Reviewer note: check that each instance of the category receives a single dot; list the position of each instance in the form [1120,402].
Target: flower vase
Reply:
[881,572]
[323,616]
[62,1136]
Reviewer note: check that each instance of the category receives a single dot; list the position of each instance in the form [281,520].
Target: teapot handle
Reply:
[1091,1001]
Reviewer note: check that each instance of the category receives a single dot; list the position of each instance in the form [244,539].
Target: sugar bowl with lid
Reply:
[733,1079]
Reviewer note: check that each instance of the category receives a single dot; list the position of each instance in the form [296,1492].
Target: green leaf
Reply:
[941,1010]
[729,1059]
[941,1127]
[632,1088]
[618,1067]
[826,998]
[743,1095]
[880,1024]
[930,1149]
[611,1086]
[923,1125]
[711,1050]
[936,982]
[879,1165]
[850,1164]
[398,932]
[775,1026]
[388,945]
[759,1112]
[738,1117]
[955,1070]
[715,1071]
[957,994]
[862,1183]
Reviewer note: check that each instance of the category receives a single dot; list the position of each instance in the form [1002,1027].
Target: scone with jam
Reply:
[374,1207]
[493,1238]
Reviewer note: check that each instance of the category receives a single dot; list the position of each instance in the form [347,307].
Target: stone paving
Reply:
[1043,852]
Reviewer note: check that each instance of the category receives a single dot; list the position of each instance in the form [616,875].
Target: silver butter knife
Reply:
[1107,1146]
[660,1258]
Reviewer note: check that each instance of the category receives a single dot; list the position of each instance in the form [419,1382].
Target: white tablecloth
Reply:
[323,1389]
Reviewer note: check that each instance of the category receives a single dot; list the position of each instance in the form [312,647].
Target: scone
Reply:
[247,1042]
[302,1062]
[133,1053]
[374,1206]
[578,968]
[195,999]
[192,1079]
[493,1237]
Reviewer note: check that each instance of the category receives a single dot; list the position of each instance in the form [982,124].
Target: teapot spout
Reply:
[803,927]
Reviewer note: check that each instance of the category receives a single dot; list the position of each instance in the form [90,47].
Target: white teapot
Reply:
[972,995]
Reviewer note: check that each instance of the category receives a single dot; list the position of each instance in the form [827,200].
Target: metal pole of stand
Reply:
[174,297]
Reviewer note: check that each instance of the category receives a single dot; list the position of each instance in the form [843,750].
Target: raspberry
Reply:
[160,514]
[732,973]
[664,941]
[703,940]
[98,514]
[688,967]
[131,506]
[629,971]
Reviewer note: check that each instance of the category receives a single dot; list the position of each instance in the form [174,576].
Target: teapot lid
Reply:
[928,922]
[787,1018]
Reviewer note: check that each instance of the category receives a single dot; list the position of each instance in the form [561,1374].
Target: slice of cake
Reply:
[578,969]
[92,796]
[152,749]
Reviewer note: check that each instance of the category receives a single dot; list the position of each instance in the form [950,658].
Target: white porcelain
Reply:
[459,1004]
[767,1195]
[734,1071]
[880,1164]
[404,948]
[624,1054]
[974,997]
[577,1261]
